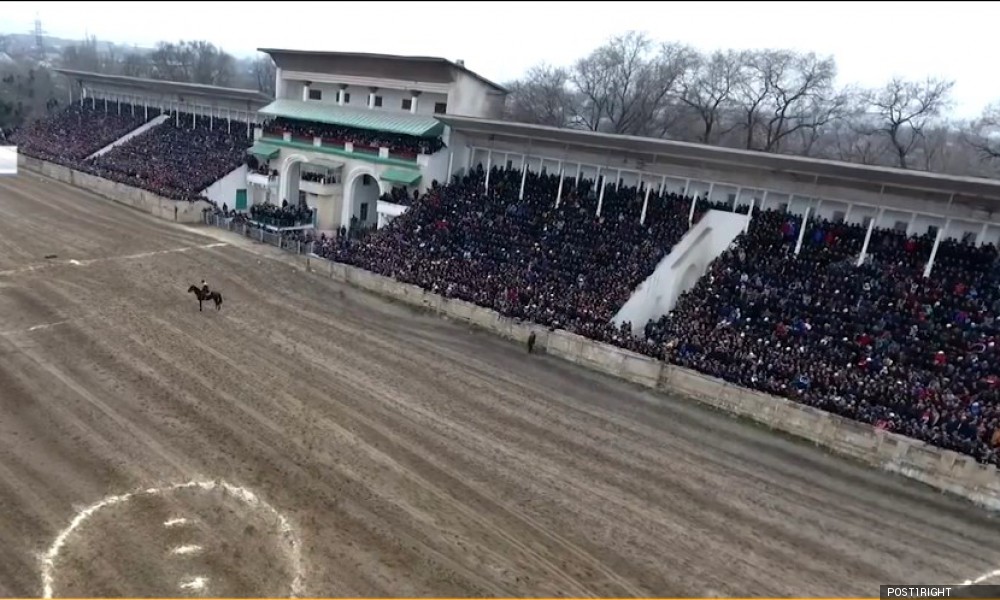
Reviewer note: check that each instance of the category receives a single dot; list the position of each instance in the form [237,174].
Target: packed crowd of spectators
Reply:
[71,135]
[173,160]
[398,144]
[318,177]
[262,167]
[399,195]
[563,267]
[285,215]
[877,343]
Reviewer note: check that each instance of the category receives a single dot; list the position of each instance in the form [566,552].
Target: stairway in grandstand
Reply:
[137,131]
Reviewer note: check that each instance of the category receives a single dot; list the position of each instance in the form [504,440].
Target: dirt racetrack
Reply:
[345,446]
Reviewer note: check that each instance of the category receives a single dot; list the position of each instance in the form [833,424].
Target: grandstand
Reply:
[869,293]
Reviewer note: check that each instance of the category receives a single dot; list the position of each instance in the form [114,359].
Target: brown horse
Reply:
[212,296]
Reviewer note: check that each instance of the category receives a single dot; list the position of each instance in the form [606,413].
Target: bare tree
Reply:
[904,108]
[708,90]
[543,96]
[983,134]
[628,85]
[193,62]
[265,72]
[135,64]
[82,56]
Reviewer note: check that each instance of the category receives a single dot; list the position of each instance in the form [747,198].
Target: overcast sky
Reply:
[872,41]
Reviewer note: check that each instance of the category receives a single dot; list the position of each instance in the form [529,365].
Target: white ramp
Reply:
[680,270]
[137,131]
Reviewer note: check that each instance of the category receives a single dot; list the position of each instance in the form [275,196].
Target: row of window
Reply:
[439,107]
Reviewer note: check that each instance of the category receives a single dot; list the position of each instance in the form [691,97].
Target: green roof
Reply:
[263,150]
[403,176]
[372,158]
[361,118]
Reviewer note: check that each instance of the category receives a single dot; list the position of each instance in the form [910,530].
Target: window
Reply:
[364,211]
[900,226]
[378,101]
[315,94]
[366,180]
[732,198]
[866,222]
[347,97]
[838,216]
[510,164]
[440,108]
[407,103]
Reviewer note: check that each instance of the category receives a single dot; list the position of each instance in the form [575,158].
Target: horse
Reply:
[212,296]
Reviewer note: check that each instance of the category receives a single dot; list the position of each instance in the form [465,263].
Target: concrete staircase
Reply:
[137,131]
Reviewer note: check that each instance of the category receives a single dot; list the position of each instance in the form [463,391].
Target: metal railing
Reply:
[276,239]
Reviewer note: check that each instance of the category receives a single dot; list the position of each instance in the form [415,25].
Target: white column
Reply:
[982,234]
[618,179]
[414,99]
[802,230]
[371,97]
[746,226]
[193,117]
[211,120]
[711,188]
[736,199]
[524,178]
[559,191]
[937,242]
[909,226]
[524,161]
[687,186]
[579,167]
[340,94]
[489,165]
[146,109]
[305,91]
[600,198]
[868,237]
[694,203]
[847,213]
[645,205]
[451,162]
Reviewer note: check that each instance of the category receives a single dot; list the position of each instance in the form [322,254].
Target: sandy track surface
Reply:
[408,455]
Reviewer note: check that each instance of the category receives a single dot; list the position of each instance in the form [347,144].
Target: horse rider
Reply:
[204,288]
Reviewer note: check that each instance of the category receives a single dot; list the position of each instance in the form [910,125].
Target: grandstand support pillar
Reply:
[194,118]
[802,230]
[687,185]
[645,205]
[763,200]
[868,238]
[105,105]
[937,242]
[711,188]
[579,169]
[694,203]
[451,163]
[524,179]
[618,179]
[524,161]
[562,176]
[847,213]
[489,166]
[663,184]
[746,226]
[600,198]
[982,234]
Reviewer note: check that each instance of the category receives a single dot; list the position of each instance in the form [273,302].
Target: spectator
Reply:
[70,136]
[399,144]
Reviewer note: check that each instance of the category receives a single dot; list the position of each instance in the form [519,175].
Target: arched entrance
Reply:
[361,199]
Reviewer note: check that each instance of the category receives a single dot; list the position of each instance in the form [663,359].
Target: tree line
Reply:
[29,89]
[770,100]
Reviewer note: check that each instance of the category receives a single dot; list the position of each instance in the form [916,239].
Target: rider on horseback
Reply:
[204,288]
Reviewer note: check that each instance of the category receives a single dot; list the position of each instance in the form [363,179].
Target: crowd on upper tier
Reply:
[71,135]
[398,144]
[177,159]
[877,343]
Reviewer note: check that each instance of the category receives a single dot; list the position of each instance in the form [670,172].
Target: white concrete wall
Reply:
[224,190]
[470,97]
[942,469]
[680,270]
[387,211]
[163,208]
[392,99]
